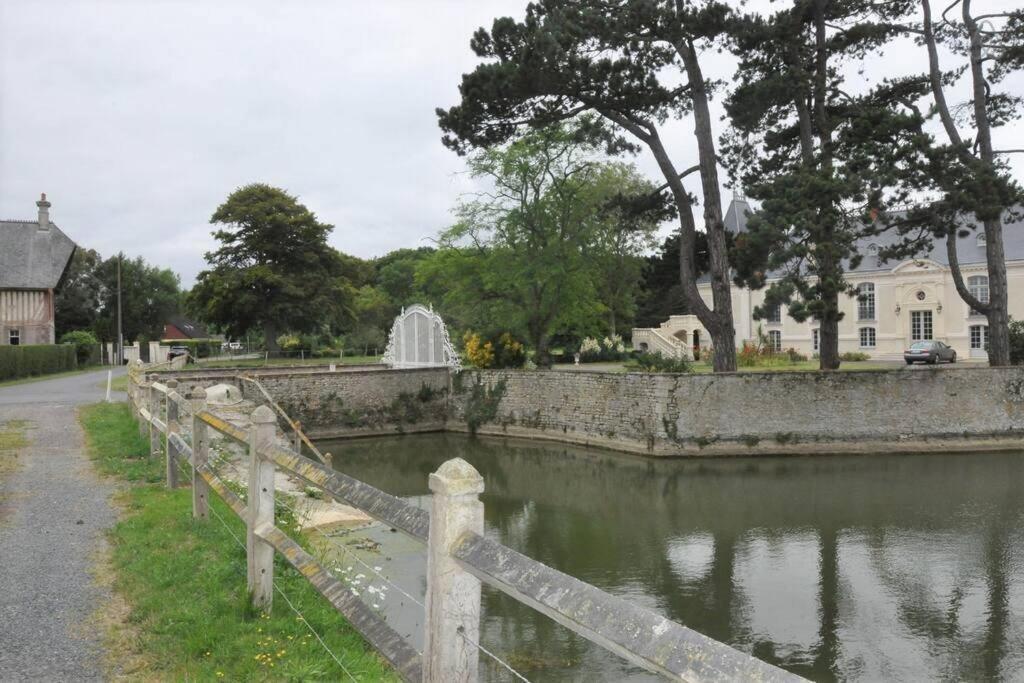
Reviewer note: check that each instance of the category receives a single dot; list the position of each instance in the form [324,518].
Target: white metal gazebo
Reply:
[419,339]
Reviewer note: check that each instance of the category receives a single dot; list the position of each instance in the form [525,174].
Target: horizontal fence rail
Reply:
[459,558]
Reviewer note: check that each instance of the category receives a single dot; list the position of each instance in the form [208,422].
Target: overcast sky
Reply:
[138,117]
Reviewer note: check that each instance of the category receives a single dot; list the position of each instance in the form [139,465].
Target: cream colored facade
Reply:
[916,299]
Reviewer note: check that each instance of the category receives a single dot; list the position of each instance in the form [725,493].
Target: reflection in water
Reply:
[861,567]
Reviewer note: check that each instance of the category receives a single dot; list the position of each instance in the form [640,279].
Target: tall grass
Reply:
[185,583]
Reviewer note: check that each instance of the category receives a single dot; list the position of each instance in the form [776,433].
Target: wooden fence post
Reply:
[453,595]
[298,437]
[200,455]
[260,510]
[154,412]
[172,428]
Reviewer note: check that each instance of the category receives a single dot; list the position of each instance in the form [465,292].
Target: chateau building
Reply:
[898,303]
[34,255]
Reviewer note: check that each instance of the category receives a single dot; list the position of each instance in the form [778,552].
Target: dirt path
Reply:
[57,511]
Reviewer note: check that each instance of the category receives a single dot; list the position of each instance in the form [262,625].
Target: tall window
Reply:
[816,340]
[920,325]
[14,337]
[775,314]
[977,285]
[775,340]
[867,337]
[866,301]
[979,336]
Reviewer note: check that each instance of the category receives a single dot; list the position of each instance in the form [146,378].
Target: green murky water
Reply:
[894,568]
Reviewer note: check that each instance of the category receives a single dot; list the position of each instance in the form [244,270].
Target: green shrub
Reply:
[853,356]
[655,362]
[85,344]
[32,360]
[1016,342]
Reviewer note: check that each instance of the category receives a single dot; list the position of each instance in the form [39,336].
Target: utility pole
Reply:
[120,335]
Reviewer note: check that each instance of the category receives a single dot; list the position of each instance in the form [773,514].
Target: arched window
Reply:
[977,285]
[866,301]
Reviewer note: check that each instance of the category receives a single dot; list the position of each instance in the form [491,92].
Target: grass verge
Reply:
[184,581]
[12,440]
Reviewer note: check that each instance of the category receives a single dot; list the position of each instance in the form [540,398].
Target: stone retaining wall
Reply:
[898,410]
[750,413]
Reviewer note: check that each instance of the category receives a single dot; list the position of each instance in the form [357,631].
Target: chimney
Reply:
[44,212]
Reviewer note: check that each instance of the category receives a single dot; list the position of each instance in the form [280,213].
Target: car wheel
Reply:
[910,362]
[932,360]
[953,359]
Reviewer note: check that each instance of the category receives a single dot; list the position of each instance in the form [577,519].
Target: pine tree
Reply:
[618,60]
[821,161]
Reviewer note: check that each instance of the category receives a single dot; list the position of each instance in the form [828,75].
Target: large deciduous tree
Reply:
[528,253]
[78,299]
[620,60]
[823,162]
[149,296]
[274,269]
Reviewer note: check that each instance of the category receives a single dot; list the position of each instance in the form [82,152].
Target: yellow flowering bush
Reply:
[479,353]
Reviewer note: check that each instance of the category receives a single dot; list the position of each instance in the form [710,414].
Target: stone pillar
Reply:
[172,428]
[260,511]
[453,594]
[200,455]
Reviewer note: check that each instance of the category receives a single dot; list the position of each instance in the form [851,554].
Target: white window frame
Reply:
[872,337]
[866,303]
[774,315]
[978,337]
[14,336]
[775,341]
[977,286]
[925,324]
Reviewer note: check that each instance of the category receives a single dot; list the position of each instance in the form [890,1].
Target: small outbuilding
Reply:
[34,257]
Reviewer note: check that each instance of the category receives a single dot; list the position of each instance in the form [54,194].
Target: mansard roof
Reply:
[32,258]
[969,250]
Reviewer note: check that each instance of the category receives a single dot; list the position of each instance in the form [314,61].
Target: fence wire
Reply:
[221,458]
[296,610]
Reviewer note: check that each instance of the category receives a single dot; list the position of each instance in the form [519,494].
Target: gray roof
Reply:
[968,250]
[31,258]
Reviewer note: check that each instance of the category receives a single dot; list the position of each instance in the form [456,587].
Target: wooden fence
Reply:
[459,557]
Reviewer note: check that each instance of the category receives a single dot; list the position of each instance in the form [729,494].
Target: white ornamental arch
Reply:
[419,339]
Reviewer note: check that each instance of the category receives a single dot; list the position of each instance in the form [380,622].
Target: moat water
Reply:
[873,568]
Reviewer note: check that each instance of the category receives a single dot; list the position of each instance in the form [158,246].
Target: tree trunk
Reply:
[828,344]
[724,334]
[998,300]
[270,337]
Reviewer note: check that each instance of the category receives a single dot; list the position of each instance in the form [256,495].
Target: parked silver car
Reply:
[929,352]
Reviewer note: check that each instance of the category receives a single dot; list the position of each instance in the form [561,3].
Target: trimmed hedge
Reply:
[35,359]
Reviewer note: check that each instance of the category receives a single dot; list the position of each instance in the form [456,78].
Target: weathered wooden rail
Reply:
[459,557]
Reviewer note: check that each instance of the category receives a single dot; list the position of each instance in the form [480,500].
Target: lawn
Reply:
[702,368]
[285,362]
[184,582]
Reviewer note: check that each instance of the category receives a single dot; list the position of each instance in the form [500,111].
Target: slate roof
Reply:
[31,258]
[193,329]
[968,250]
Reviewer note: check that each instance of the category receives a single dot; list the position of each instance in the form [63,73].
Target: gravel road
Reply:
[57,510]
